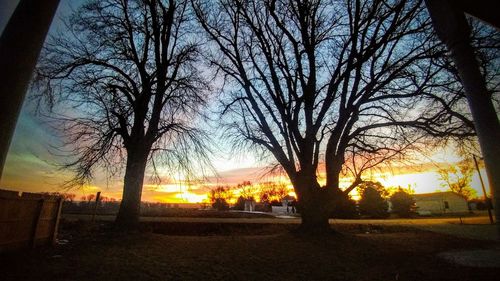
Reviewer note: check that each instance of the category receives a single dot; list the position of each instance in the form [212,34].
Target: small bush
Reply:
[402,203]
[240,204]
[220,204]
[372,204]
[344,207]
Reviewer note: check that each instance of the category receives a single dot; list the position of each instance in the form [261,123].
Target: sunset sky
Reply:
[31,167]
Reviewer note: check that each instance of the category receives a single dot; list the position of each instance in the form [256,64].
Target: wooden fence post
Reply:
[98,195]
[36,222]
[58,216]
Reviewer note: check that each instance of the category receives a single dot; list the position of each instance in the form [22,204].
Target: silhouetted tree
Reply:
[402,203]
[219,197]
[220,204]
[272,192]
[69,197]
[88,198]
[240,203]
[372,202]
[246,189]
[344,207]
[127,79]
[328,81]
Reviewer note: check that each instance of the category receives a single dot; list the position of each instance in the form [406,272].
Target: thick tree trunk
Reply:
[128,215]
[314,204]
[314,213]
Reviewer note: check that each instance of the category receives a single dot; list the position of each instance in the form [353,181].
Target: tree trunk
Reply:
[314,214]
[128,215]
[314,205]
[452,28]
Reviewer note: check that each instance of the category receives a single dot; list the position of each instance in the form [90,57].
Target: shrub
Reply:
[240,204]
[372,204]
[219,197]
[344,207]
[402,203]
[220,204]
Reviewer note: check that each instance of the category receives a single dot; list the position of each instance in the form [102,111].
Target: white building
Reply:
[440,203]
[287,206]
[249,205]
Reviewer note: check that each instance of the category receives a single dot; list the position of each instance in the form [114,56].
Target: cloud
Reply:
[235,176]
[29,161]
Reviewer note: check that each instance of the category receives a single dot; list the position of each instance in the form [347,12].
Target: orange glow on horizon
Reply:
[181,192]
[422,178]
[420,181]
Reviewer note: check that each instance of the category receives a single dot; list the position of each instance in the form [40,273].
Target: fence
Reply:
[28,219]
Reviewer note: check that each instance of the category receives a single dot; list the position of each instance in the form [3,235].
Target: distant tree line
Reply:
[267,194]
[109,205]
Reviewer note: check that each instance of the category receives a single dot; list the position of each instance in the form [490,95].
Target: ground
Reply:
[471,225]
[181,250]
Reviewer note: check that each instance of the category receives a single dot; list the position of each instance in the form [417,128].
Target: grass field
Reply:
[196,251]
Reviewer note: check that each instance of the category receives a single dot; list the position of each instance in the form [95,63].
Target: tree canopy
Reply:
[348,84]
[124,83]
[373,203]
[402,203]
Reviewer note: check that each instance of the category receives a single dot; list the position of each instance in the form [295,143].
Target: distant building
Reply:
[440,203]
[288,200]
[287,206]
[250,205]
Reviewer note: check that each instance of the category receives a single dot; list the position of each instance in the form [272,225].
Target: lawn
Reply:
[197,251]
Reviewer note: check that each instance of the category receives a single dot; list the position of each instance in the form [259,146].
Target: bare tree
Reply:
[314,81]
[272,192]
[220,196]
[458,178]
[246,189]
[124,79]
